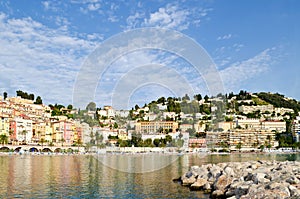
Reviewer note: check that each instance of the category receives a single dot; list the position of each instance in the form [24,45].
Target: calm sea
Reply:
[106,176]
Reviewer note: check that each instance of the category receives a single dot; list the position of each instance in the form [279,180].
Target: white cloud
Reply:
[39,59]
[52,5]
[224,37]
[46,4]
[172,16]
[241,72]
[87,5]
[133,21]
[93,6]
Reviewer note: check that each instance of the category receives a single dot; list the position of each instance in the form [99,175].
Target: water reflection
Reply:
[86,177]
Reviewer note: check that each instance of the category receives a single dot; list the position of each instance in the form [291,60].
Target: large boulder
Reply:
[188,181]
[223,182]
[215,171]
[199,184]
[201,172]
[217,194]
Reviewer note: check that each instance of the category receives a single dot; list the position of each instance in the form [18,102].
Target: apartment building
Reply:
[296,129]
[253,124]
[4,126]
[152,127]
[251,139]
[63,132]
[247,138]
[197,143]
[21,128]
[278,126]
[262,108]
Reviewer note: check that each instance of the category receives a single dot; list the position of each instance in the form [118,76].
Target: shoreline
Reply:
[145,153]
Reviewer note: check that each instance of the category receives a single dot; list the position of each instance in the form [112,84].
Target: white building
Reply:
[23,129]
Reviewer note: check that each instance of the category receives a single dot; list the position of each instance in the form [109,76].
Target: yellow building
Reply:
[122,134]
[4,126]
[48,132]
[57,132]
[42,130]
[156,126]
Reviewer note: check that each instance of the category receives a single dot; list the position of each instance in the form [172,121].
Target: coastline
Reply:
[149,152]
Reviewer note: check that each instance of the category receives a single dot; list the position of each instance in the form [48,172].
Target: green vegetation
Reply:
[91,106]
[158,142]
[84,117]
[4,95]
[278,100]
[3,139]
[258,101]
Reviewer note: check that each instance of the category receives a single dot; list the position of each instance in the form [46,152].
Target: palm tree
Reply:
[62,141]
[239,146]
[3,139]
[39,134]
[79,143]
[269,138]
[24,132]
[10,132]
[42,141]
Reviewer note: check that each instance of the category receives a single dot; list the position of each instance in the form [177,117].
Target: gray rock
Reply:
[223,182]
[242,190]
[259,178]
[294,191]
[207,186]
[217,194]
[293,180]
[229,171]
[188,181]
[215,171]
[198,185]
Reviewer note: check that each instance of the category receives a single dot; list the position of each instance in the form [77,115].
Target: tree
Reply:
[198,97]
[31,96]
[116,125]
[156,142]
[42,141]
[3,139]
[99,138]
[239,146]
[185,97]
[191,131]
[4,95]
[168,139]
[79,143]
[24,132]
[269,138]
[70,107]
[161,100]
[206,98]
[160,130]
[62,140]
[148,142]
[38,100]
[91,106]
[136,139]
[262,147]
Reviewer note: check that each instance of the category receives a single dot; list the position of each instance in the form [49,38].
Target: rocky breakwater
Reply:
[254,179]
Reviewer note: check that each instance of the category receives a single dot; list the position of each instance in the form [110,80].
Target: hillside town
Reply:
[224,123]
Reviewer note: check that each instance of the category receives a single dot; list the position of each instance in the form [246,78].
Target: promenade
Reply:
[38,148]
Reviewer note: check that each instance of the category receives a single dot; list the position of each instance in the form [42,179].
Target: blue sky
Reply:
[255,45]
